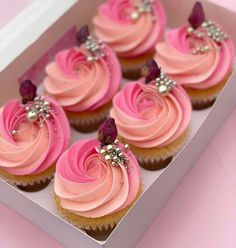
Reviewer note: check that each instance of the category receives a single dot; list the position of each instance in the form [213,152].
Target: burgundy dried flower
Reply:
[197,16]
[107,132]
[82,35]
[27,91]
[151,71]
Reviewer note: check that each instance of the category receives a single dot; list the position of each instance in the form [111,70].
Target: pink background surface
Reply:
[10,8]
[200,214]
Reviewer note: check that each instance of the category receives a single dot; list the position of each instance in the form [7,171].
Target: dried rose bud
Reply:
[27,91]
[82,35]
[197,16]
[107,132]
[151,71]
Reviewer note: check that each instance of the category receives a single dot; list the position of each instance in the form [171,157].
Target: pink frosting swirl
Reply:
[197,71]
[90,186]
[33,149]
[79,85]
[128,38]
[146,119]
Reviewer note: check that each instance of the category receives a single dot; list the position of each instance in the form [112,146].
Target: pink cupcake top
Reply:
[199,55]
[90,184]
[154,114]
[32,135]
[83,78]
[131,28]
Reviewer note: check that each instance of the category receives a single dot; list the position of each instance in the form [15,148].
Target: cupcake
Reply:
[97,181]
[33,134]
[131,29]
[198,55]
[153,116]
[84,80]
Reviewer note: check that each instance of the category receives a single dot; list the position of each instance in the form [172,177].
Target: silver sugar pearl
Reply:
[32,116]
[190,30]
[162,76]
[102,151]
[90,58]
[120,154]
[117,149]
[204,24]
[47,116]
[46,103]
[27,108]
[113,163]
[209,34]
[126,146]
[115,158]
[107,157]
[116,141]
[13,132]
[163,90]
[110,148]
[200,35]
[134,16]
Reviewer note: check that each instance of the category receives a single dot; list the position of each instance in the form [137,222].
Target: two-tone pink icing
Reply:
[32,149]
[79,85]
[147,119]
[91,187]
[197,71]
[129,38]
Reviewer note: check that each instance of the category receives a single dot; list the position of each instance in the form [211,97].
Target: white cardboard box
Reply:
[59,18]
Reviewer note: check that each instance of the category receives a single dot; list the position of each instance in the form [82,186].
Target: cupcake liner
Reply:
[89,121]
[93,226]
[199,104]
[131,67]
[28,180]
[202,99]
[158,158]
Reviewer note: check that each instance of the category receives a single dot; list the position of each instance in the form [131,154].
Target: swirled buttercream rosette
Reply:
[199,56]
[153,115]
[83,80]
[97,181]
[131,29]
[33,134]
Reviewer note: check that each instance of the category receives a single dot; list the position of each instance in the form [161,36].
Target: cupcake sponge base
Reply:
[202,99]
[88,121]
[29,183]
[96,227]
[131,67]
[158,157]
